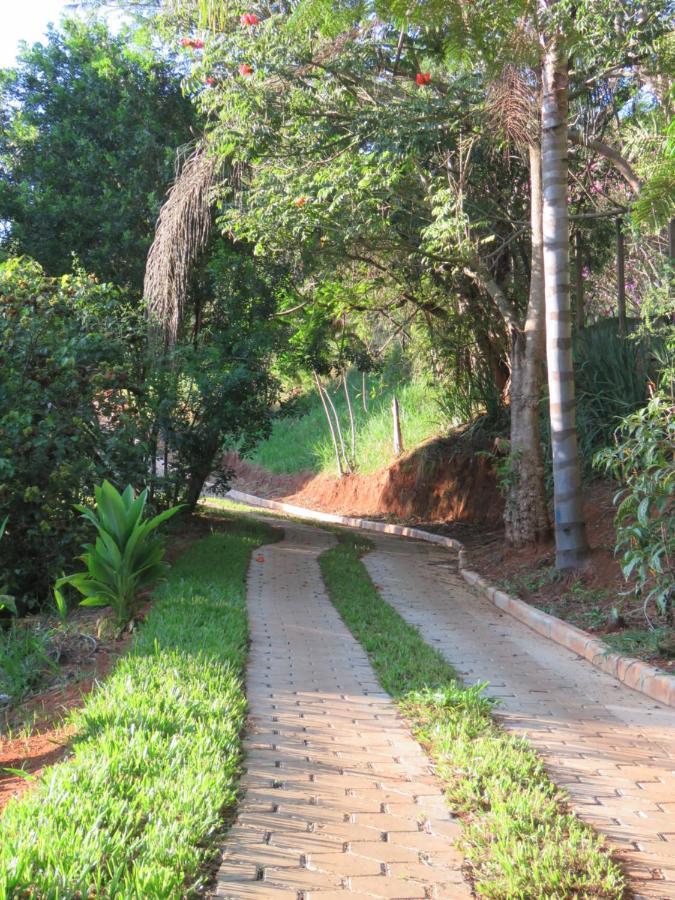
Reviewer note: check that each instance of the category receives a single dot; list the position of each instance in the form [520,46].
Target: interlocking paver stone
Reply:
[611,748]
[332,774]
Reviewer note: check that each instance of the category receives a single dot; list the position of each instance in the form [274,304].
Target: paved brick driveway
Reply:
[610,747]
[339,800]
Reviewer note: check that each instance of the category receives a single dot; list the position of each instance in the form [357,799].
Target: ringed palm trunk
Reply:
[570,529]
[526,514]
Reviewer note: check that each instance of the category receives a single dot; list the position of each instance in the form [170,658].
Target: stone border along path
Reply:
[339,800]
[636,673]
[609,747]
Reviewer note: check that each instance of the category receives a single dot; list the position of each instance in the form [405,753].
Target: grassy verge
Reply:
[155,764]
[519,838]
[303,443]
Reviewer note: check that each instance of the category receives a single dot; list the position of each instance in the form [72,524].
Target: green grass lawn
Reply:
[137,809]
[519,837]
[303,443]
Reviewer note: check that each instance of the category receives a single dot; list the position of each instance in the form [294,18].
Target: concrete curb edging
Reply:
[634,673]
[335,519]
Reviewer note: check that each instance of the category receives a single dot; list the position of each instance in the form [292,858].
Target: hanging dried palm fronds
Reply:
[511,105]
[182,231]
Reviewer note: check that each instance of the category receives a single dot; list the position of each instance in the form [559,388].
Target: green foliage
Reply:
[643,460]
[302,442]
[646,643]
[126,557]
[213,391]
[6,600]
[71,359]
[518,836]
[612,375]
[89,124]
[137,809]
[84,397]
[24,658]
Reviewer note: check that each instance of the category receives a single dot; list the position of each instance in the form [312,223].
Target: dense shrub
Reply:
[643,460]
[84,397]
[71,365]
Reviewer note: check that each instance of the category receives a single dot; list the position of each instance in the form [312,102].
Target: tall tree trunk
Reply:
[620,276]
[200,469]
[338,459]
[338,431]
[526,514]
[570,529]
[396,418]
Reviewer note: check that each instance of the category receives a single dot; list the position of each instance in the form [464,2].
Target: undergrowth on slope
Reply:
[302,442]
[156,757]
[519,839]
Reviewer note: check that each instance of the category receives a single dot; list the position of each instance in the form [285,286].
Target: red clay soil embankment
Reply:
[440,481]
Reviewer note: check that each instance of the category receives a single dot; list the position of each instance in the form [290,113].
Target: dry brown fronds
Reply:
[181,233]
[512,107]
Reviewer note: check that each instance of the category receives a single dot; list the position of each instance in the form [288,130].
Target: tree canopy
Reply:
[89,125]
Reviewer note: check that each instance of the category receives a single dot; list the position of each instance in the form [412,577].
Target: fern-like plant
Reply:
[127,554]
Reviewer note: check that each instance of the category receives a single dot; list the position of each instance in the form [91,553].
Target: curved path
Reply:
[611,748]
[338,796]
[339,800]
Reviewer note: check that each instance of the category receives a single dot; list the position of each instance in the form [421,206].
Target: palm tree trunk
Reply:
[570,529]
[526,514]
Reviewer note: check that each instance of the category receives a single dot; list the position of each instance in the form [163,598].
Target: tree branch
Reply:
[620,163]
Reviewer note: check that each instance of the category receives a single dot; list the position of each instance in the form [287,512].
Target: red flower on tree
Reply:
[245,70]
[198,45]
[300,201]
[423,78]
[210,80]
[186,42]
[249,19]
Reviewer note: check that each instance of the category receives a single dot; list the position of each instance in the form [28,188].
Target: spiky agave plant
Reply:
[127,554]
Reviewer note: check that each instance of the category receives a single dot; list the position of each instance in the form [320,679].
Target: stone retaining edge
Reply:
[634,673]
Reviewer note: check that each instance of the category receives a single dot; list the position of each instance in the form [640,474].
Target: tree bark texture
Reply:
[526,513]
[570,529]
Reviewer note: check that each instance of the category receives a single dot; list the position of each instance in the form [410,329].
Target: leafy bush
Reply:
[643,459]
[6,600]
[125,557]
[72,366]
[612,374]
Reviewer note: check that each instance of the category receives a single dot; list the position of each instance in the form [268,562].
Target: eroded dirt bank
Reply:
[442,480]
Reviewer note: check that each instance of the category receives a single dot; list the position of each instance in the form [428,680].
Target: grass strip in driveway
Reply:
[520,839]
[137,810]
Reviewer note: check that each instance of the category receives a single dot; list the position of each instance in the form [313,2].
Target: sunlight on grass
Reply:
[519,838]
[156,759]
[303,443]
